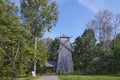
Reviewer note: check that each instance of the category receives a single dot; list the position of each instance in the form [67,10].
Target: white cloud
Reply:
[93,5]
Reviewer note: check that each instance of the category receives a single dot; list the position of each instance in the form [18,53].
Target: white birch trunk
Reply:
[35,56]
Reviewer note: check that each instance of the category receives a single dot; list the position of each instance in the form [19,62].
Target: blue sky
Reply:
[75,14]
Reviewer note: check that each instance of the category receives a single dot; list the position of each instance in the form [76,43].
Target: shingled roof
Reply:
[51,64]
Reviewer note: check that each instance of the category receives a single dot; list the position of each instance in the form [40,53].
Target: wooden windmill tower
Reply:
[65,63]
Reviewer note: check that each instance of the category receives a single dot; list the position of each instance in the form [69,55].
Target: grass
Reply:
[23,78]
[89,77]
[30,78]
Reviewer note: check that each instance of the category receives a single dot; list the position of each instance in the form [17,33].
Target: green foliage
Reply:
[101,57]
[52,48]
[10,33]
[42,15]
[42,53]
[84,50]
[113,59]
[53,51]
[17,43]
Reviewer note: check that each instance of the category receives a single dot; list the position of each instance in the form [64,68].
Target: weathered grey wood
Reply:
[65,63]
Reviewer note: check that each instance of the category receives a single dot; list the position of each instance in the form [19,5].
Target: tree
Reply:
[13,38]
[84,50]
[42,55]
[116,25]
[106,28]
[8,29]
[42,15]
[52,48]
[113,60]
[102,26]
[53,52]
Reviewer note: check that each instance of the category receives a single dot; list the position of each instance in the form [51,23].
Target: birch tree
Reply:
[103,27]
[42,15]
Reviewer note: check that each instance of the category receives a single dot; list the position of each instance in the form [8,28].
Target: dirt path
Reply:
[49,77]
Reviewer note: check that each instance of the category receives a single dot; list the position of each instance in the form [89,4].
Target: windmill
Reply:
[65,63]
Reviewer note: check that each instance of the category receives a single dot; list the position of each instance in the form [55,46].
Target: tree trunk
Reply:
[35,68]
[14,70]
[35,57]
